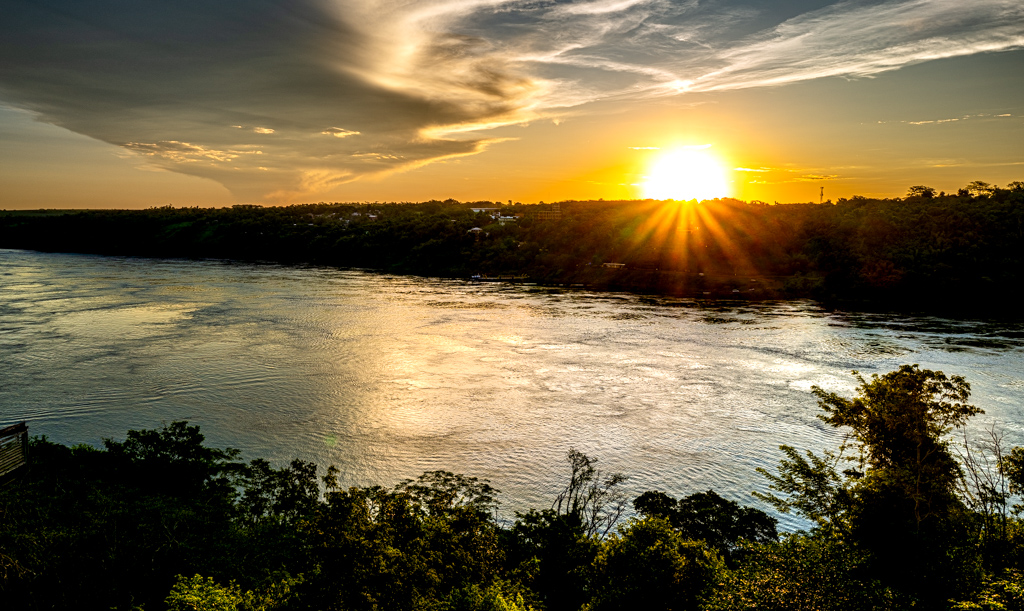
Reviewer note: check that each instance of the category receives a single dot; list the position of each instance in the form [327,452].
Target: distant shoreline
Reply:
[722,299]
[954,255]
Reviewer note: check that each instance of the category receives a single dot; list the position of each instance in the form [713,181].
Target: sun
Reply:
[685,174]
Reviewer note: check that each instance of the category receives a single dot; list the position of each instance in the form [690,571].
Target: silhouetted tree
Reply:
[596,499]
[899,503]
[706,516]
[650,565]
[978,188]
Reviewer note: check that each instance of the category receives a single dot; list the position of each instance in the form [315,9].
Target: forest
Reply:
[948,252]
[904,515]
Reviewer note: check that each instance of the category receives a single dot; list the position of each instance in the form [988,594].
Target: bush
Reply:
[650,566]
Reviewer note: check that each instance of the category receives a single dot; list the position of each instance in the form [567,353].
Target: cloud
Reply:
[600,7]
[338,132]
[670,49]
[816,177]
[861,39]
[968,117]
[778,176]
[183,152]
[193,86]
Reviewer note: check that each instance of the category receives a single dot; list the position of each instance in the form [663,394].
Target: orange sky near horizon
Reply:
[554,125]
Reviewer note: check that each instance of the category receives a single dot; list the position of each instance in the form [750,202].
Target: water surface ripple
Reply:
[387,377]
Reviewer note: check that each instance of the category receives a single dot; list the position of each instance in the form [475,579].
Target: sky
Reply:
[139,103]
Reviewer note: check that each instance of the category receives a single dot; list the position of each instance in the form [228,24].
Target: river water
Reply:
[387,377]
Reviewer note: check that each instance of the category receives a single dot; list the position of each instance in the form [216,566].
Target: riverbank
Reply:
[952,254]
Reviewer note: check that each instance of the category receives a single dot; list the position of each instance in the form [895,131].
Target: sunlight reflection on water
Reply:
[387,377]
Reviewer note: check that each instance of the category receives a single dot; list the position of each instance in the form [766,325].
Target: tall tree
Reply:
[897,426]
[905,512]
[898,503]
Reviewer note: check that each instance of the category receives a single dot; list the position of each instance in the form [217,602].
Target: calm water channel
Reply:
[387,377]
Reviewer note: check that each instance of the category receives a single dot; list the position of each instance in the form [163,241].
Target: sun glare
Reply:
[686,174]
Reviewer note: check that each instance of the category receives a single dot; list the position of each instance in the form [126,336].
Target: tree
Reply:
[1003,593]
[554,548]
[921,191]
[897,426]
[813,487]
[441,493]
[804,572]
[494,597]
[198,594]
[898,504]
[109,529]
[904,510]
[284,495]
[1011,466]
[985,489]
[978,188]
[422,541]
[174,459]
[650,565]
[553,555]
[705,516]
[595,499]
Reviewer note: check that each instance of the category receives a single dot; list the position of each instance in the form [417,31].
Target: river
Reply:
[389,376]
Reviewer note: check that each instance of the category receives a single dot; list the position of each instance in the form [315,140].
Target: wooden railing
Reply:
[13,448]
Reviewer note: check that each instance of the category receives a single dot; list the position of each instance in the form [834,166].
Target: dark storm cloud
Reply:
[280,99]
[251,94]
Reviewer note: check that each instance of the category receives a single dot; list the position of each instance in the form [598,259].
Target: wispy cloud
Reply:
[184,152]
[862,39]
[599,7]
[968,117]
[776,176]
[338,132]
[816,177]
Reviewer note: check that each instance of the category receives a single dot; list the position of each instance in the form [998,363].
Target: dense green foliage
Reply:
[705,516]
[162,521]
[924,522]
[945,251]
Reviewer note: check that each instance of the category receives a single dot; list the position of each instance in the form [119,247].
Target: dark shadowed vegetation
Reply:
[902,518]
[926,250]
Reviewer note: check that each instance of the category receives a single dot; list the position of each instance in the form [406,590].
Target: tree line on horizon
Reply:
[927,249]
[902,518]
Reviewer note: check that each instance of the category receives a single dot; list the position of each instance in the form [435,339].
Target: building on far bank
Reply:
[552,214]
